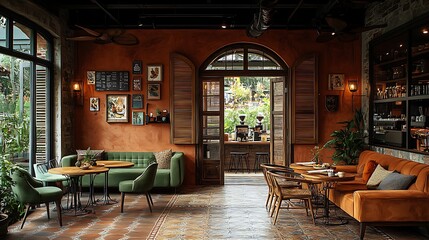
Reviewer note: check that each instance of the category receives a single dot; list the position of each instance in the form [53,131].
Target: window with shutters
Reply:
[25,66]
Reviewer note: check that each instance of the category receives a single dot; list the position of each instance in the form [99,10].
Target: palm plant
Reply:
[348,142]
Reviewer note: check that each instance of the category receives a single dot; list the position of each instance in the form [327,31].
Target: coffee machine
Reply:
[241,131]
[258,127]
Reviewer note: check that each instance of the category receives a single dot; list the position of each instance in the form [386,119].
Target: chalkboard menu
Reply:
[112,81]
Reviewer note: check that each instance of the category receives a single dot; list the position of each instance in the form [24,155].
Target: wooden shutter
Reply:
[278,126]
[182,100]
[41,114]
[304,101]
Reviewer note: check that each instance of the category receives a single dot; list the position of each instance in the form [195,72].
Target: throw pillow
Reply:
[81,154]
[163,158]
[377,176]
[396,181]
[368,169]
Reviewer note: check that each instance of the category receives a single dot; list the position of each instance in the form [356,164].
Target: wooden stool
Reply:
[261,157]
[237,160]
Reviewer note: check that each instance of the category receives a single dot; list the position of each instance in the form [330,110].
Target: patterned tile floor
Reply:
[233,211]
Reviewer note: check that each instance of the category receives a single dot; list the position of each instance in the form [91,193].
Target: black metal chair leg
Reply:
[25,216]
[148,202]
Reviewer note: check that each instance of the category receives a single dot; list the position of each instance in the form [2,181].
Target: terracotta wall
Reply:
[91,128]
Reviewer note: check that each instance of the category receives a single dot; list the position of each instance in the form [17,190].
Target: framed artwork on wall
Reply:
[90,77]
[94,104]
[117,108]
[137,101]
[336,81]
[138,118]
[137,67]
[137,84]
[154,73]
[154,91]
[331,103]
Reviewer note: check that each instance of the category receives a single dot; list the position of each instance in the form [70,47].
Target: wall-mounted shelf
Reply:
[399,75]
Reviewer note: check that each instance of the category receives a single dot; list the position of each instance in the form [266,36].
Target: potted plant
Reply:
[10,208]
[89,159]
[13,139]
[348,142]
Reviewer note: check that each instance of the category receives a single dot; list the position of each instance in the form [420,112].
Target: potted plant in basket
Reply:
[348,142]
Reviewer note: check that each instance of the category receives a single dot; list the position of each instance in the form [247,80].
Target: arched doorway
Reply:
[240,60]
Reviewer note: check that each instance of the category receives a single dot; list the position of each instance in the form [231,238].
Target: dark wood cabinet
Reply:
[399,75]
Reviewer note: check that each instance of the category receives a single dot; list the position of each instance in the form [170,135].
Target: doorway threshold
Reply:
[240,178]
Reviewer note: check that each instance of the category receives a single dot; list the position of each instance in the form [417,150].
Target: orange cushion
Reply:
[368,169]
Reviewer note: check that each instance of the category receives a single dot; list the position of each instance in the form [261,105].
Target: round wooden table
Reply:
[75,173]
[114,164]
[111,164]
[300,168]
[328,183]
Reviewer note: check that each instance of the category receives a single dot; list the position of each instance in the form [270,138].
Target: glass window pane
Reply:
[229,60]
[15,75]
[3,31]
[42,47]
[211,98]
[258,60]
[22,38]
[211,126]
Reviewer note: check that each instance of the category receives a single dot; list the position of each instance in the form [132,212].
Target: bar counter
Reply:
[250,146]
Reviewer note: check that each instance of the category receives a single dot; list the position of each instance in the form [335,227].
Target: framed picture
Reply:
[90,77]
[94,104]
[154,91]
[137,101]
[137,67]
[116,108]
[331,103]
[138,118]
[154,73]
[336,82]
[137,84]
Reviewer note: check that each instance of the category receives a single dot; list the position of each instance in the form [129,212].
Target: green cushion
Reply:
[126,186]
[162,178]
[48,194]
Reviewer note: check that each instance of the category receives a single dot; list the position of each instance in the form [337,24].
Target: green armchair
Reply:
[32,192]
[142,184]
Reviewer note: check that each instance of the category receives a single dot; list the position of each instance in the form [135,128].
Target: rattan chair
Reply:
[281,194]
[284,184]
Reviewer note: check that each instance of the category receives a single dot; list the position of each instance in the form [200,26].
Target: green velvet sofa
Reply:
[165,178]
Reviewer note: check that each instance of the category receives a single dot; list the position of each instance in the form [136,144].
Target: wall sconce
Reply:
[77,88]
[353,87]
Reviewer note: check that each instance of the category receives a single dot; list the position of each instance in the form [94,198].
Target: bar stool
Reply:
[237,160]
[261,157]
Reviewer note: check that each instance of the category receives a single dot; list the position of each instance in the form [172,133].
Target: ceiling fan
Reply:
[343,31]
[117,36]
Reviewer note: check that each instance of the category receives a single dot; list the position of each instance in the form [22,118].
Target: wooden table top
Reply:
[246,143]
[325,178]
[296,166]
[76,171]
[114,163]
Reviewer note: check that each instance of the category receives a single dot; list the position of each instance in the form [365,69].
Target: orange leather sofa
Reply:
[384,207]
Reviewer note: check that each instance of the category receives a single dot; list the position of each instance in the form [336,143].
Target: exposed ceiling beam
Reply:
[183,6]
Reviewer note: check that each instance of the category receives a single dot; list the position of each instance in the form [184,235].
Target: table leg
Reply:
[106,197]
[329,220]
